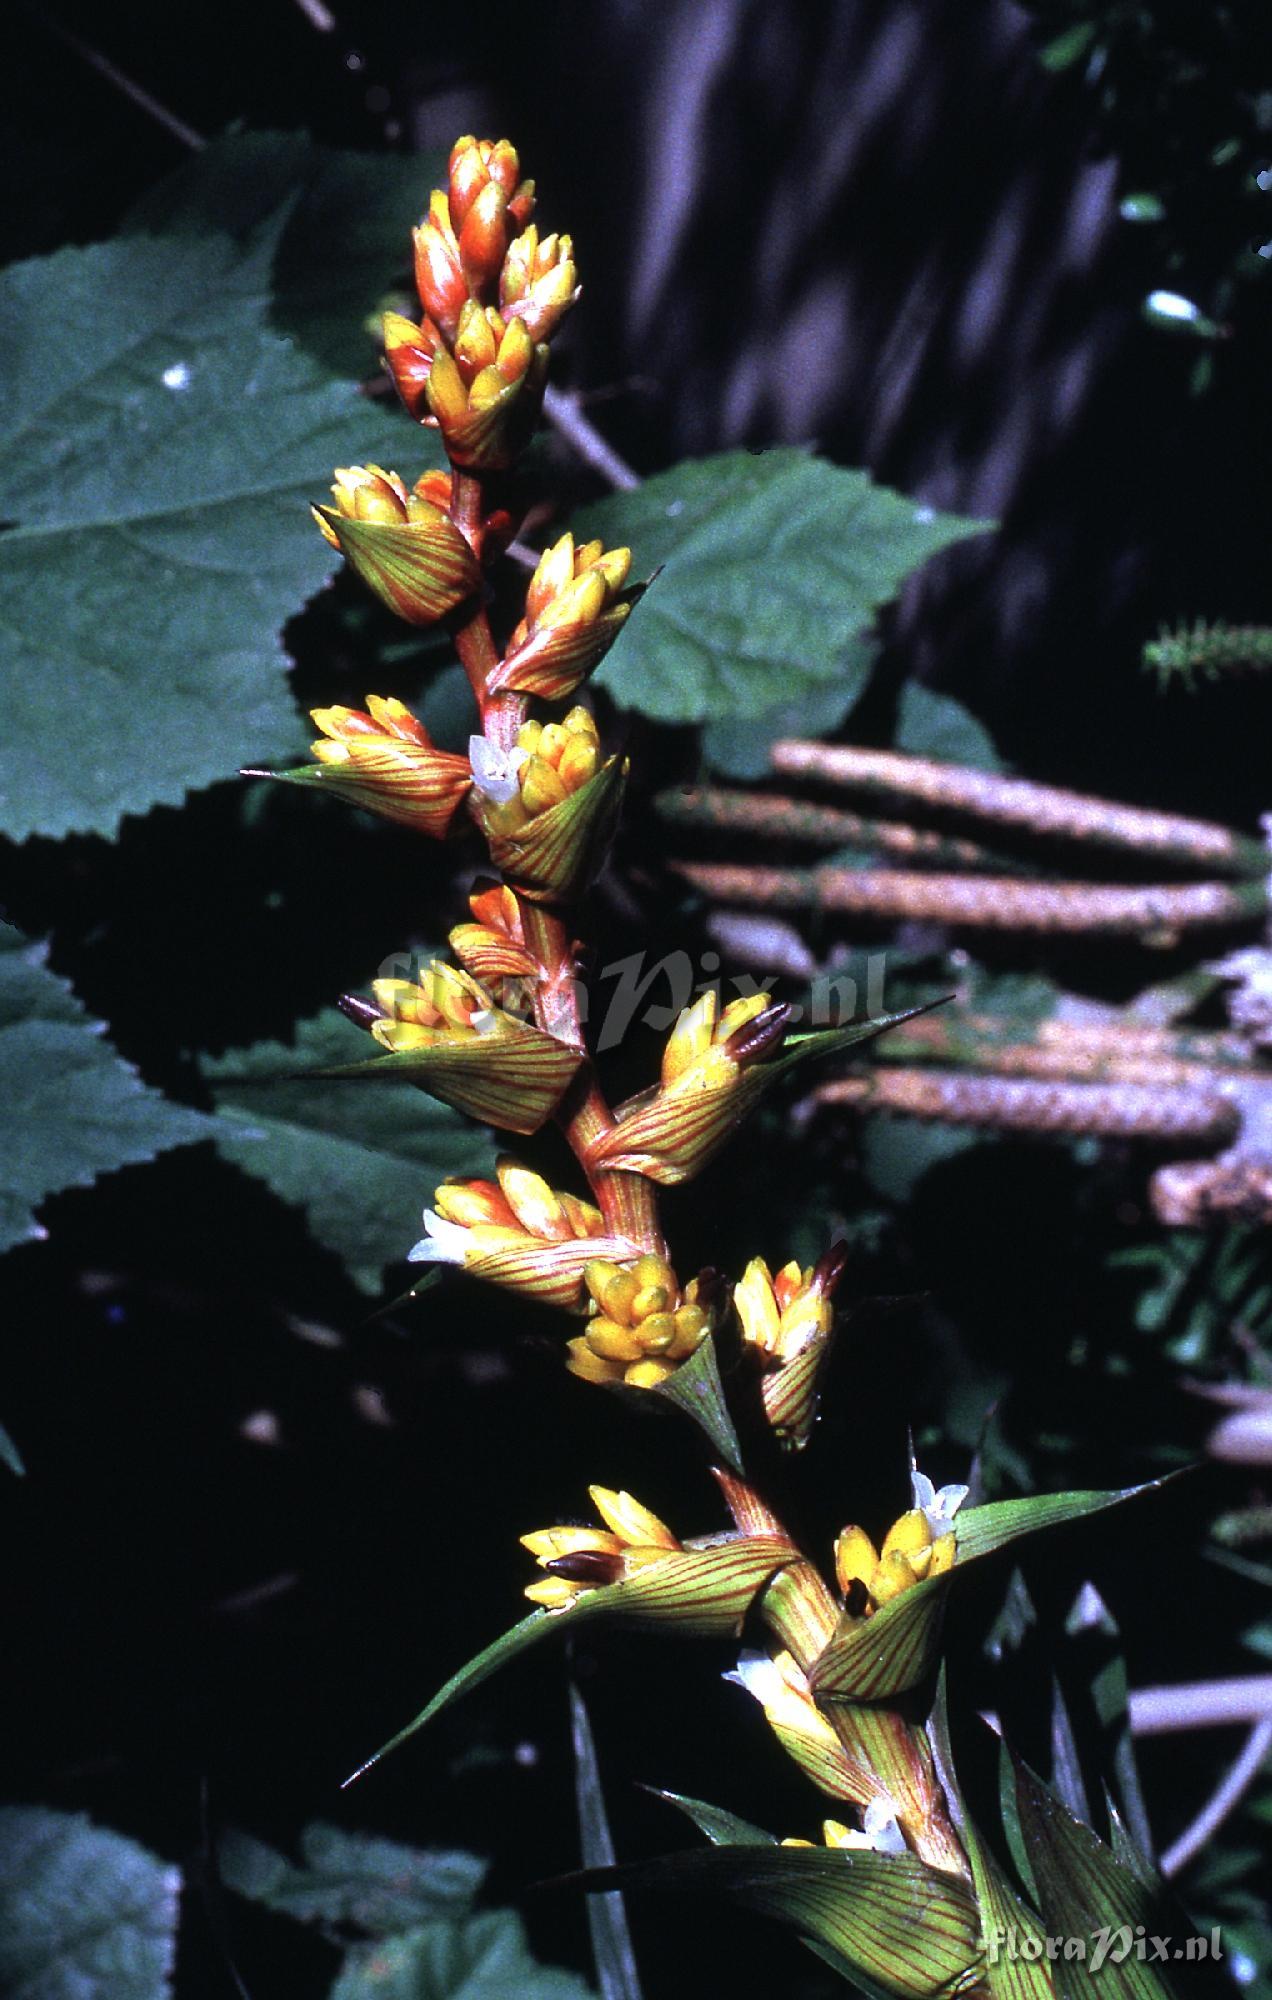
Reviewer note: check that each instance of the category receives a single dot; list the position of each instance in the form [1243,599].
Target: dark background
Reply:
[259,1528]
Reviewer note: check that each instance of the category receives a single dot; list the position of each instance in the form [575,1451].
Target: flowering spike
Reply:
[518,1233]
[407,550]
[576,605]
[549,808]
[384,760]
[670,1133]
[408,355]
[439,275]
[538,283]
[787,1323]
[696,1589]
[446,1034]
[487,423]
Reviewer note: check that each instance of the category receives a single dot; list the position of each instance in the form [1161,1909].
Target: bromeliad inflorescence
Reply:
[845,1671]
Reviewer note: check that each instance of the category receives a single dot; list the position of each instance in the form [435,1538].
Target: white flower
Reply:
[761,1676]
[880,1830]
[443,1242]
[938,1509]
[494,771]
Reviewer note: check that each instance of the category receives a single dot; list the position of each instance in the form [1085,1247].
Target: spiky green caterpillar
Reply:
[1208,652]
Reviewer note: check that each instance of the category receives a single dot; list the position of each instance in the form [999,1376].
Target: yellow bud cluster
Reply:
[642,1327]
[369,493]
[632,1539]
[695,1056]
[489,358]
[870,1577]
[556,759]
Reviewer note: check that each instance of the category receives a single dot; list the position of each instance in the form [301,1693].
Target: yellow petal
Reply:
[690,1036]
[856,1558]
[895,1574]
[547,1543]
[553,1593]
[581,1361]
[613,1341]
[648,1374]
[910,1534]
[757,1307]
[532,1201]
[943,1552]
[636,1525]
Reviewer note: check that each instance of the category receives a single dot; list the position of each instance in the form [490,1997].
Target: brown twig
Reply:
[1021,803]
[1157,913]
[563,413]
[1155,1711]
[1224,1800]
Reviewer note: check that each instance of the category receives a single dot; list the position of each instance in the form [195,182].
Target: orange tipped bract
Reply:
[575,608]
[402,545]
[383,758]
[518,1232]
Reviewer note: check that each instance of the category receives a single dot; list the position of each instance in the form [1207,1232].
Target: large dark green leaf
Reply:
[740,748]
[70,1109]
[346,239]
[157,463]
[84,1914]
[352,1878]
[772,564]
[485,1957]
[936,725]
[363,1164]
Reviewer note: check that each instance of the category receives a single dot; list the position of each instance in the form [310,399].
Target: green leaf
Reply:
[158,466]
[10,1456]
[693,1592]
[772,564]
[485,1958]
[354,1878]
[723,1829]
[897,1152]
[901,1927]
[1086,1893]
[348,232]
[740,749]
[83,1912]
[982,1530]
[362,1164]
[936,725]
[876,1658]
[696,1389]
[1003,1915]
[70,1108]
[612,1951]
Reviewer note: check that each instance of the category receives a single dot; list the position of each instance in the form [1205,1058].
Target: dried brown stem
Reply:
[1024,804]
[770,817]
[1013,1104]
[1157,913]
[1157,1057]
